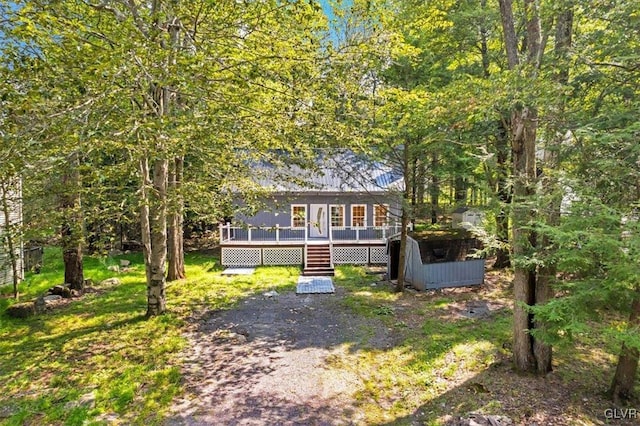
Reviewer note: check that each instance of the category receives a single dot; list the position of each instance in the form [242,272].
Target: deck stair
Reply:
[318,260]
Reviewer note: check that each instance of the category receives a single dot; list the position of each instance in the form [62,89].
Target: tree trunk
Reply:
[145,227]
[524,280]
[175,232]
[460,193]
[503,258]
[420,185]
[72,230]
[9,234]
[156,298]
[405,219]
[434,190]
[622,386]
[402,259]
[529,354]
[509,30]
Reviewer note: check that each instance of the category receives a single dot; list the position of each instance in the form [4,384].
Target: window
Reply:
[337,216]
[380,215]
[358,215]
[298,215]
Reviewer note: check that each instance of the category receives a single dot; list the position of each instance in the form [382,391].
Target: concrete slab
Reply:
[239,271]
[315,285]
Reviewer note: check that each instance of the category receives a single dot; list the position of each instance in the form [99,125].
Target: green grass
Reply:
[102,347]
[98,360]
[445,366]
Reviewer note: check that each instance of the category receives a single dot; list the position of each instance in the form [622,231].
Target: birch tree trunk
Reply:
[9,234]
[156,297]
[145,227]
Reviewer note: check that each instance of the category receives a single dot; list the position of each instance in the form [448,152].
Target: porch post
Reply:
[277,232]
[306,233]
[249,233]
[357,234]
[220,229]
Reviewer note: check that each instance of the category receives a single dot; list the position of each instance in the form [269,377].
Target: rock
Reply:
[480,420]
[8,411]
[113,253]
[51,298]
[88,282]
[75,293]
[87,400]
[108,418]
[110,282]
[22,310]
[270,294]
[113,268]
[39,304]
[61,290]
[125,262]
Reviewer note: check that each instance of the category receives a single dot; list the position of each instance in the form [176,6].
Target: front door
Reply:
[318,221]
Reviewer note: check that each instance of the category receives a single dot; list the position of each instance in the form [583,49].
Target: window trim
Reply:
[344,216]
[364,221]
[293,217]
[386,216]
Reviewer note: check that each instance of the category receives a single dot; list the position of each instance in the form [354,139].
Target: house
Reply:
[466,217]
[340,212]
[11,198]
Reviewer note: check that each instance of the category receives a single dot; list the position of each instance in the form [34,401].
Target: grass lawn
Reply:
[97,360]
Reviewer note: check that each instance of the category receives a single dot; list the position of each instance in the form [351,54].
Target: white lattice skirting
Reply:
[241,256]
[282,256]
[294,255]
[378,255]
[351,255]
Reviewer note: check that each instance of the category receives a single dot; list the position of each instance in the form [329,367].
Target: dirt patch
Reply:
[264,362]
[312,360]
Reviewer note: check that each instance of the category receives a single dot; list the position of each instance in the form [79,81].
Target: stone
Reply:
[87,400]
[110,282]
[125,262]
[88,282]
[113,268]
[51,298]
[270,294]
[22,310]
[61,290]
[75,293]
[39,304]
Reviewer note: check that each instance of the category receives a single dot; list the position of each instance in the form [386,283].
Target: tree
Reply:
[157,84]
[530,354]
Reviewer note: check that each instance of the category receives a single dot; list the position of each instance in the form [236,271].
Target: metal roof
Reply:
[341,173]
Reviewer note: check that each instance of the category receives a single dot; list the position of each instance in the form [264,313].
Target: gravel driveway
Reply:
[265,363]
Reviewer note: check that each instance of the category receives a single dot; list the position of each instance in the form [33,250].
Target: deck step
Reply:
[318,271]
[318,261]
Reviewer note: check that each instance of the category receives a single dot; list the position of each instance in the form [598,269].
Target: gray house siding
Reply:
[15,218]
[278,210]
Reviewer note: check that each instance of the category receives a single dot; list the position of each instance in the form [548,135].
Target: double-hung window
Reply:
[298,215]
[380,215]
[337,216]
[358,216]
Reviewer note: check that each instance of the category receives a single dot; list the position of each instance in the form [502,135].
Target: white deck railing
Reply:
[244,234]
